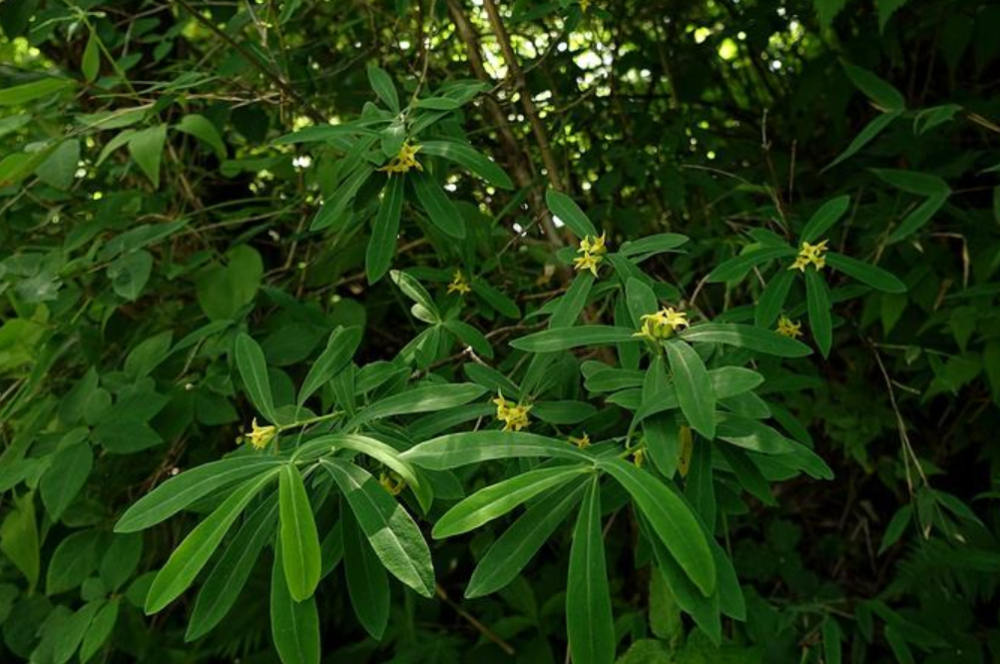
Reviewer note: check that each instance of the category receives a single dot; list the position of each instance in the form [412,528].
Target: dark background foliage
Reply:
[148,200]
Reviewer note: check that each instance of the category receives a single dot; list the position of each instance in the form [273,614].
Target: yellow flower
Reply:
[810,253]
[593,245]
[789,328]
[258,436]
[513,416]
[404,160]
[588,262]
[593,250]
[392,483]
[662,324]
[459,284]
[639,456]
[582,442]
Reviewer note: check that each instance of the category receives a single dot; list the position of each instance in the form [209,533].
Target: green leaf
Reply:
[190,557]
[299,537]
[65,477]
[573,301]
[864,137]
[90,65]
[866,273]
[382,85]
[590,625]
[548,341]
[73,561]
[253,370]
[340,348]
[913,182]
[414,290]
[831,632]
[391,532]
[224,290]
[772,299]
[294,625]
[202,128]
[230,574]
[737,267]
[440,210]
[519,543]
[897,526]
[671,520]
[498,499]
[382,245]
[19,540]
[918,218]
[129,274]
[755,436]
[338,203]
[465,155]
[178,492]
[652,245]
[746,336]
[827,10]
[367,582]
[384,454]
[418,400]
[568,212]
[59,168]
[818,306]
[878,90]
[824,218]
[641,300]
[22,94]
[886,8]
[462,449]
[146,148]
[694,387]
[100,629]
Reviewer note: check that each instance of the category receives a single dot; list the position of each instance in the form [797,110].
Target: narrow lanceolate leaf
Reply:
[549,341]
[294,625]
[826,216]
[340,349]
[335,207]
[367,582]
[671,520]
[694,387]
[387,455]
[737,268]
[230,574]
[568,212]
[391,532]
[864,137]
[178,492]
[866,273]
[382,245]
[772,300]
[818,306]
[440,210]
[467,156]
[499,499]
[875,88]
[462,449]
[746,336]
[253,370]
[519,543]
[573,301]
[418,400]
[589,622]
[299,537]
[187,559]
[382,85]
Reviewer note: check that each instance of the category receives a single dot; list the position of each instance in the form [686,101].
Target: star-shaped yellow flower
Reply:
[459,284]
[513,416]
[593,250]
[588,262]
[404,160]
[392,483]
[582,442]
[810,253]
[789,328]
[662,325]
[259,436]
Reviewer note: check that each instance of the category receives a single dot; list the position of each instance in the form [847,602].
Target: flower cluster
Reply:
[810,253]
[404,160]
[662,324]
[459,284]
[513,416]
[593,250]
[259,436]
[789,328]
